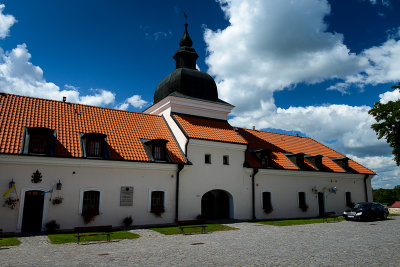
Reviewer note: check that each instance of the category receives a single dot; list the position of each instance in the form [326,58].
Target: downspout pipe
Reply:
[180,168]
[253,193]
[366,187]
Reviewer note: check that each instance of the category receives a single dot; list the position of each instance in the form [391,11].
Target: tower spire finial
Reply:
[186,40]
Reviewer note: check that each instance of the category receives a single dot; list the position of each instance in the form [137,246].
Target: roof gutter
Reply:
[366,187]
[180,168]
[253,193]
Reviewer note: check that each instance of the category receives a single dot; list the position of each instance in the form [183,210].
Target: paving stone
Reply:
[324,244]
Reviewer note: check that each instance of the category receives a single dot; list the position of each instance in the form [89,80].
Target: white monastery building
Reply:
[177,160]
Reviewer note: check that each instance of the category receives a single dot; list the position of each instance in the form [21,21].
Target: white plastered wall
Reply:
[285,186]
[79,174]
[199,178]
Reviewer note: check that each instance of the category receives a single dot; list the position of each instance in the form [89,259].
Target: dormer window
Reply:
[297,159]
[264,157]
[316,161]
[39,141]
[343,163]
[157,148]
[94,145]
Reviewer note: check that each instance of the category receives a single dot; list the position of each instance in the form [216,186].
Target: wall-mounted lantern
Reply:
[11,184]
[59,185]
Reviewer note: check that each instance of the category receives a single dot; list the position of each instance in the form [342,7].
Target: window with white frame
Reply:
[302,201]
[266,202]
[207,158]
[90,201]
[157,201]
[225,160]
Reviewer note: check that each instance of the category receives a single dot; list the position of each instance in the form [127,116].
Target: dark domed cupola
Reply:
[186,81]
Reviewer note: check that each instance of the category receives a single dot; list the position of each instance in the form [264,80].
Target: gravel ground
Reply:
[323,244]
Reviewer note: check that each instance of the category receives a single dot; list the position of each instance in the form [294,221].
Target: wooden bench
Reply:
[330,214]
[93,231]
[192,224]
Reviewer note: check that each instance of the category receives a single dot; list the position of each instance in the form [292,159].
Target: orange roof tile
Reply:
[208,129]
[284,143]
[281,161]
[123,129]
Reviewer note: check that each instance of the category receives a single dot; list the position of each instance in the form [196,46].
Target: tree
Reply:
[387,117]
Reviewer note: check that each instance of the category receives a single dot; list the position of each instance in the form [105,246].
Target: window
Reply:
[225,160]
[264,157]
[94,145]
[157,202]
[157,149]
[266,202]
[39,140]
[207,158]
[158,152]
[349,203]
[302,201]
[91,202]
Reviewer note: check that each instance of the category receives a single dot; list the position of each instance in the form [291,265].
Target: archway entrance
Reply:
[32,215]
[216,204]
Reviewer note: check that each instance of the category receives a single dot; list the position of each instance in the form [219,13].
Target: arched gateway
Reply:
[217,204]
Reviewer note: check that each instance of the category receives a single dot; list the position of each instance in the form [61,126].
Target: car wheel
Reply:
[385,216]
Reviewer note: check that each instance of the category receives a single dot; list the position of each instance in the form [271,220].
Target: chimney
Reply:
[64,99]
[254,127]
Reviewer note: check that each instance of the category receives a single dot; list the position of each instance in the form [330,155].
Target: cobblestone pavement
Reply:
[324,244]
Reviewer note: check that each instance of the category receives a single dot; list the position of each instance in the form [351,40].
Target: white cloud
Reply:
[271,45]
[100,98]
[388,174]
[382,68]
[389,96]
[135,101]
[6,21]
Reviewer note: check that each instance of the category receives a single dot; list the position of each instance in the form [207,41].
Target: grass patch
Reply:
[70,238]
[298,221]
[393,215]
[9,241]
[176,231]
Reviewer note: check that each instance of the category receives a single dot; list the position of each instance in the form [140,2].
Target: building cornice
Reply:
[74,162]
[191,107]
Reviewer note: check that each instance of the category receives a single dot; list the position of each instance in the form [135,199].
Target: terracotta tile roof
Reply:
[208,129]
[123,129]
[281,161]
[281,144]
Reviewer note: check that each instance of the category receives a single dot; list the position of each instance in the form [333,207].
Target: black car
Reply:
[366,211]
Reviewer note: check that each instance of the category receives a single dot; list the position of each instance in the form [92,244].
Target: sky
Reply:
[309,67]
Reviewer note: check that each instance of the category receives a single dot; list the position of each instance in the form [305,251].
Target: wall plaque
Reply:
[126,196]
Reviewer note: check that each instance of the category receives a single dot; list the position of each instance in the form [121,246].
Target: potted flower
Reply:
[157,210]
[268,209]
[57,200]
[127,221]
[11,202]
[304,207]
[52,226]
[89,215]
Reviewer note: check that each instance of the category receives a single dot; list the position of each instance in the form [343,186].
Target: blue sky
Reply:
[313,67]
